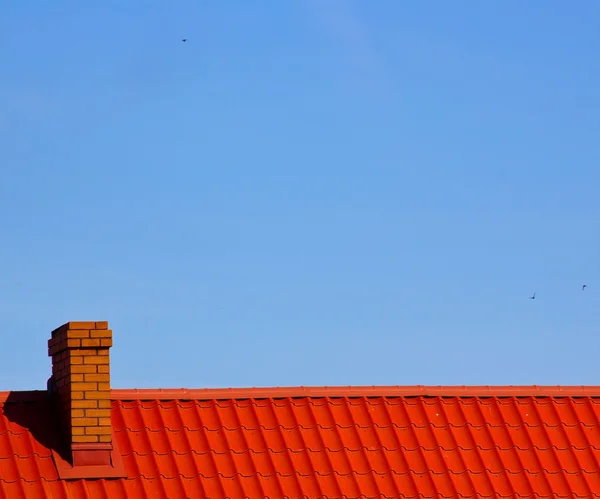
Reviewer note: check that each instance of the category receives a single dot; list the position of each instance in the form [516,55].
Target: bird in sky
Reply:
[583,287]
[184,39]
[532,297]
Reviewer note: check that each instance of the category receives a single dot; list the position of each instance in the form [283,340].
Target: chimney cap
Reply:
[80,325]
[76,335]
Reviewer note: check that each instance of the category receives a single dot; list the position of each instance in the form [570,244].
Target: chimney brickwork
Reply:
[81,381]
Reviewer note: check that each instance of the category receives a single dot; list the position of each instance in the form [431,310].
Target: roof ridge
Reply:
[329,391]
[356,391]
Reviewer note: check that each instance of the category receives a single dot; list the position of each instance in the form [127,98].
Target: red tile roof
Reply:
[321,443]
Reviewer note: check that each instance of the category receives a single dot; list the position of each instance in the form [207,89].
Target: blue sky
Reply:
[304,193]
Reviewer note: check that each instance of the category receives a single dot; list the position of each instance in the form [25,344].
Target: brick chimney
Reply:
[81,384]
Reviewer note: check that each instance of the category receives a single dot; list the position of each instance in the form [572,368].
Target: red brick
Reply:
[84,369]
[101,333]
[98,430]
[106,438]
[57,347]
[85,404]
[96,359]
[101,324]
[102,378]
[84,439]
[84,352]
[86,422]
[81,325]
[78,333]
[103,369]
[84,387]
[97,395]
[92,342]
[98,413]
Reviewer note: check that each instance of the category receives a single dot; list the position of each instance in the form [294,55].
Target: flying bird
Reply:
[532,297]
[583,287]
[184,40]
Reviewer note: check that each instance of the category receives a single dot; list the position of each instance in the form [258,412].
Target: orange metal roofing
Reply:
[323,442]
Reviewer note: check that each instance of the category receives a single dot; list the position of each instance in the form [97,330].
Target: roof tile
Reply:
[367,447]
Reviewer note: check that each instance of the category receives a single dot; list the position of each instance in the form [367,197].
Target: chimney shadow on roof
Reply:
[36,412]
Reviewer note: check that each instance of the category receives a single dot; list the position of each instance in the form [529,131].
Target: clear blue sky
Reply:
[305,192]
